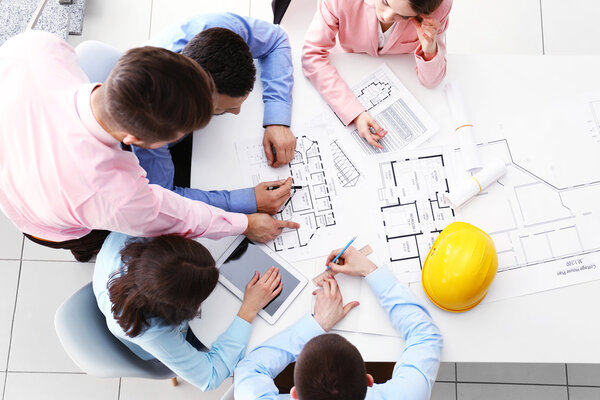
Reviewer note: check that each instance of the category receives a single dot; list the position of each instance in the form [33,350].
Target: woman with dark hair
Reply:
[149,288]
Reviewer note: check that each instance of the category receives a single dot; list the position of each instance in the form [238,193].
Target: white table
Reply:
[555,326]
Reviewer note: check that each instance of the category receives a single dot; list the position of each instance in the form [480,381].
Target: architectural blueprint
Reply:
[546,236]
[313,206]
[395,109]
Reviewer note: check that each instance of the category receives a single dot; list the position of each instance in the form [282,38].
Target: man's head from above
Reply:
[330,368]
[226,57]
[166,277]
[154,96]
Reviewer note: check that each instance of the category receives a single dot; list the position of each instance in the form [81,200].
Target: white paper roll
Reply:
[463,127]
[476,183]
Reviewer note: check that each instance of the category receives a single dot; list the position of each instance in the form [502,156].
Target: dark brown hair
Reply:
[226,57]
[424,6]
[330,368]
[156,94]
[166,277]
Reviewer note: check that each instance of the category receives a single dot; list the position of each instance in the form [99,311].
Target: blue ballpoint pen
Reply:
[342,252]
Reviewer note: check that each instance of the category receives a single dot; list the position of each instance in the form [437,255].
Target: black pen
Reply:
[277,187]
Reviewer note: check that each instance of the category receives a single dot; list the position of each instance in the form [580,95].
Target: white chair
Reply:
[83,333]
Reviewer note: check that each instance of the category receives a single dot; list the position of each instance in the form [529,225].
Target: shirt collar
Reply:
[84,109]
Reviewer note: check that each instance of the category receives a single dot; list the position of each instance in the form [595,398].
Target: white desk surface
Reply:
[554,326]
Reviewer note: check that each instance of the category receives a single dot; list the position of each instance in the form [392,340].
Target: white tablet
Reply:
[239,262]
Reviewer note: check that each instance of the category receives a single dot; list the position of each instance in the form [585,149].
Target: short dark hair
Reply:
[226,57]
[156,94]
[330,368]
[424,6]
[166,277]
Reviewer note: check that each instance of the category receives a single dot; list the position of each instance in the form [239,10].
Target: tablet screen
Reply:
[247,258]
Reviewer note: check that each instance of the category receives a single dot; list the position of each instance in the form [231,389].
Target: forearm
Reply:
[431,72]
[238,201]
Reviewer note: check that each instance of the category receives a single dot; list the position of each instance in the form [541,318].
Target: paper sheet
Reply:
[395,109]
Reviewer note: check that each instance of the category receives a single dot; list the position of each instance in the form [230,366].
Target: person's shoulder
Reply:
[38,44]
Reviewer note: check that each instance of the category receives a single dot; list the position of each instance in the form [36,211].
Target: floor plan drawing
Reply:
[312,206]
[395,109]
[412,210]
[546,236]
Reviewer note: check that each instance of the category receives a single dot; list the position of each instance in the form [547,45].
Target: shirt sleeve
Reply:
[204,370]
[160,170]
[319,40]
[267,42]
[416,370]
[253,377]
[430,73]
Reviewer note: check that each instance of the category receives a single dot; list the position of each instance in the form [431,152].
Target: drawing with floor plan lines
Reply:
[546,236]
[395,109]
[412,209]
[312,206]
[347,172]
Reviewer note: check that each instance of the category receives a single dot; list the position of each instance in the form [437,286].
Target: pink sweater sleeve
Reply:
[430,73]
[319,40]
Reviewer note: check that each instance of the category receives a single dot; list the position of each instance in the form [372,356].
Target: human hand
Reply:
[352,262]
[263,227]
[329,308]
[259,292]
[427,29]
[280,138]
[270,201]
[369,129]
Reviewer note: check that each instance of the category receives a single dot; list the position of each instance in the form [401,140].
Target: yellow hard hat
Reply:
[460,267]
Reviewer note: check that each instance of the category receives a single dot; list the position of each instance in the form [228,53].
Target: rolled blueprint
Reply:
[476,183]
[463,127]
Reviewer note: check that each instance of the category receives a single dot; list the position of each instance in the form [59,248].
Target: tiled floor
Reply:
[35,280]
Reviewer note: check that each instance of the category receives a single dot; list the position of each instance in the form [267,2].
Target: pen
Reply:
[277,187]
[342,252]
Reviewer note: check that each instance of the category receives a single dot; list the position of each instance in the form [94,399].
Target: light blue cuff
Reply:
[381,279]
[307,328]
[277,113]
[243,201]
[240,330]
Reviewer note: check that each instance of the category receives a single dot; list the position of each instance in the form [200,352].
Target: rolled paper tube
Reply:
[476,183]
[463,127]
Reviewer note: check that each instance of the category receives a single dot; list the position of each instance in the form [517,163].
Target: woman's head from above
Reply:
[166,277]
[389,11]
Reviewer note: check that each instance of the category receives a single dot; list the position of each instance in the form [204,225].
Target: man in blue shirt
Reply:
[225,44]
[330,367]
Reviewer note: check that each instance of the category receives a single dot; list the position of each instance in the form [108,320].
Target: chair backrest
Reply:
[82,330]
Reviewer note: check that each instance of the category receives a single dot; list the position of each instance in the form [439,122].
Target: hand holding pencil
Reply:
[351,262]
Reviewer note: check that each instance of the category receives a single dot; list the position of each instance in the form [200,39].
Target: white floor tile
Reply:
[511,373]
[495,27]
[144,389]
[11,239]
[447,372]
[443,391]
[571,32]
[467,391]
[43,287]
[584,374]
[9,276]
[2,378]
[166,12]
[37,252]
[583,393]
[122,24]
[261,9]
[24,386]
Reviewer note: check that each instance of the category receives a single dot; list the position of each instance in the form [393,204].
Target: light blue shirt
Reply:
[269,44]
[167,343]
[414,373]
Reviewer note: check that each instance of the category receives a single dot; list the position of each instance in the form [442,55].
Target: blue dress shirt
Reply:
[414,373]
[166,342]
[269,44]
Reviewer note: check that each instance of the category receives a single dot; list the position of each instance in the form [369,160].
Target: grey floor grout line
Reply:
[150,23]
[46,372]
[119,392]
[455,381]
[567,379]
[12,322]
